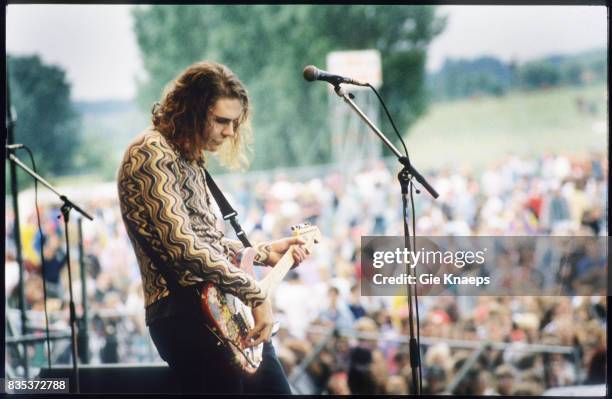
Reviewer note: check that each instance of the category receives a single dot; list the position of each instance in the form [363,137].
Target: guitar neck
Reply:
[278,273]
[310,235]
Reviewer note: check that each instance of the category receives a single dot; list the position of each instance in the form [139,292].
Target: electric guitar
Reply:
[230,319]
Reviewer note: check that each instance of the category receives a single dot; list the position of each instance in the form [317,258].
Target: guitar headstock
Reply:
[309,233]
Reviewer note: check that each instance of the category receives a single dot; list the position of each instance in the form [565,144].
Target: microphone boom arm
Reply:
[402,158]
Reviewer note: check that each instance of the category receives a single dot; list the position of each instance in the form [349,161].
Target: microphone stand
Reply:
[66,208]
[83,335]
[10,123]
[405,176]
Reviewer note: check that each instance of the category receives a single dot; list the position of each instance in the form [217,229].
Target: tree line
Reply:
[45,118]
[461,78]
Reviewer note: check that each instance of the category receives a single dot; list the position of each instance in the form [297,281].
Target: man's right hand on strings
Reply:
[264,320]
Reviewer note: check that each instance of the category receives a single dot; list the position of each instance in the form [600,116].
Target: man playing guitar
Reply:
[167,212]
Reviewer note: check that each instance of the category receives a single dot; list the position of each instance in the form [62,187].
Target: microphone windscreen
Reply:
[310,73]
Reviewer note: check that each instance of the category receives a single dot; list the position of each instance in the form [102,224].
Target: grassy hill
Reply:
[480,130]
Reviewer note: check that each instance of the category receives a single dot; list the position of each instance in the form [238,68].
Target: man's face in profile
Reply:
[222,122]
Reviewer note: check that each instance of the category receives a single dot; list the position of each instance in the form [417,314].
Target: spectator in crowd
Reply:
[597,368]
[361,379]
[506,377]
[338,313]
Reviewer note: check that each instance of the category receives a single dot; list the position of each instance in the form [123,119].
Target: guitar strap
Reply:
[226,209]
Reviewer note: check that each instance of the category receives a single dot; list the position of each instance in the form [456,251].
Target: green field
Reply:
[477,131]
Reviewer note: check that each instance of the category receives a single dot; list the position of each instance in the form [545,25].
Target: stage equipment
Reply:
[405,177]
[66,208]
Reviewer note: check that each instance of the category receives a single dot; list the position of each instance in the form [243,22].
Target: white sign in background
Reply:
[364,65]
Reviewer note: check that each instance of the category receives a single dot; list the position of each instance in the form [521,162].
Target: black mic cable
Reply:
[42,243]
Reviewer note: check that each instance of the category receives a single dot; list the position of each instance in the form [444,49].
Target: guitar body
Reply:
[231,320]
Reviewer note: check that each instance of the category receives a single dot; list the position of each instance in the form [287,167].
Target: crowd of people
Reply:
[552,195]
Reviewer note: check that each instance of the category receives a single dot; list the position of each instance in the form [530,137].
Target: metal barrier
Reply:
[299,371]
[467,366]
[35,338]
[453,343]
[479,347]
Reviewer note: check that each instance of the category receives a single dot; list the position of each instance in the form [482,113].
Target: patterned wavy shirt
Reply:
[167,213]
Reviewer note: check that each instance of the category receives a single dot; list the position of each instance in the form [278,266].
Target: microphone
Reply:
[14,146]
[312,73]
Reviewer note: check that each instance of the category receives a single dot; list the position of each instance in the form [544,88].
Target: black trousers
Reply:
[202,366]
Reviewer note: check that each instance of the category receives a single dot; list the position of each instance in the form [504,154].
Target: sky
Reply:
[96,46]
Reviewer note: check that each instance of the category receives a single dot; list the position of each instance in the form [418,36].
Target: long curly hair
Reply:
[182,115]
